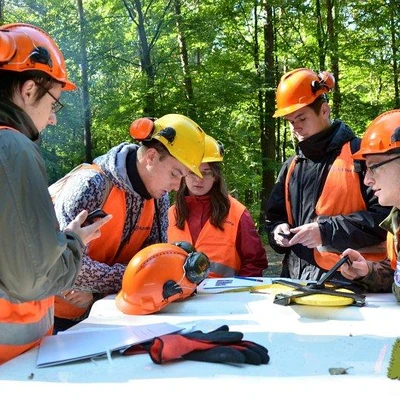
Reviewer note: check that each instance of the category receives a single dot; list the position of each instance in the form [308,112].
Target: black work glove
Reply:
[218,346]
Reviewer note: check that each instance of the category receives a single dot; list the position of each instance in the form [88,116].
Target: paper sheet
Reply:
[220,285]
[59,349]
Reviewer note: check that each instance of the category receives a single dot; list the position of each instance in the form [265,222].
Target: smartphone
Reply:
[287,236]
[94,216]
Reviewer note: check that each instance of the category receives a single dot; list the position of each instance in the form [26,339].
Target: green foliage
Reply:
[226,65]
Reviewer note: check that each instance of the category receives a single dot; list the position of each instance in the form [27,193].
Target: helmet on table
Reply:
[158,275]
[299,88]
[25,47]
[213,150]
[382,136]
[183,138]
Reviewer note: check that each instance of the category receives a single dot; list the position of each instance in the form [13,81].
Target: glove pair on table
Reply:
[218,346]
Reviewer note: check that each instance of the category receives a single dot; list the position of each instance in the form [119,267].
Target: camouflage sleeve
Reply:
[396,291]
[379,278]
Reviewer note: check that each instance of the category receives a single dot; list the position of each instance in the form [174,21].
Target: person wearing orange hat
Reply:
[205,215]
[132,182]
[37,260]
[380,149]
[319,205]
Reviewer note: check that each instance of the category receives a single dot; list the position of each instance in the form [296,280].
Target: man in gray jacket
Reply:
[37,260]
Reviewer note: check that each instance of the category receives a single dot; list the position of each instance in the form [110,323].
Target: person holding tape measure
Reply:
[131,182]
[380,149]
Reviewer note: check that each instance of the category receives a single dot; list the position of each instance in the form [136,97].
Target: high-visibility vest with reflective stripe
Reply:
[23,324]
[341,194]
[109,250]
[219,246]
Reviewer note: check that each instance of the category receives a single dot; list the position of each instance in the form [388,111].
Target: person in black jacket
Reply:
[319,205]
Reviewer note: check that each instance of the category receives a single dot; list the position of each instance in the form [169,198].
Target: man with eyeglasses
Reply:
[206,216]
[379,149]
[37,259]
[319,205]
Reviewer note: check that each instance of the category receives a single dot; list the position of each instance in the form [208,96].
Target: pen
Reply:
[249,279]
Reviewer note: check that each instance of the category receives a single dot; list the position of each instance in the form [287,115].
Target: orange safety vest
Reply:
[27,322]
[341,195]
[107,248]
[218,245]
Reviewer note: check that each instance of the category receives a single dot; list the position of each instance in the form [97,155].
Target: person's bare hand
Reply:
[278,231]
[89,232]
[78,298]
[307,235]
[358,267]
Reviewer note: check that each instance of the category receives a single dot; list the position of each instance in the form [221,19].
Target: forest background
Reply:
[218,62]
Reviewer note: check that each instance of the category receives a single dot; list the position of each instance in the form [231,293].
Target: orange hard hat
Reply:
[25,47]
[382,135]
[158,275]
[299,88]
[213,150]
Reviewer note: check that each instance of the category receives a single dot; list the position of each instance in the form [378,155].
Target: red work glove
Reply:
[218,346]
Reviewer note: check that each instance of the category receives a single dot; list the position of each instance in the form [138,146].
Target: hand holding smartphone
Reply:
[287,236]
[94,216]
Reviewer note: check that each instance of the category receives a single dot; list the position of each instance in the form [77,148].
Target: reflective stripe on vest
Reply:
[341,194]
[23,325]
[219,246]
[109,251]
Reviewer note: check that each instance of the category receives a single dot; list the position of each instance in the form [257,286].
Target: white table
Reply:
[303,342]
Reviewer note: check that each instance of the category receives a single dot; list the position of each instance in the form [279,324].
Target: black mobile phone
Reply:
[286,235]
[94,216]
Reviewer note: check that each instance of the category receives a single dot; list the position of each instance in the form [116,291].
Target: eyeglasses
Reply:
[55,107]
[371,169]
[206,175]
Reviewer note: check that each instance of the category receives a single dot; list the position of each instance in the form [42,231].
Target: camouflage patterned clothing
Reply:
[86,190]
[391,224]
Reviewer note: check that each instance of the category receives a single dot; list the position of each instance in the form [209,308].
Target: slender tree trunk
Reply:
[268,132]
[2,11]
[187,79]
[85,86]
[136,14]
[394,12]
[332,17]
[320,36]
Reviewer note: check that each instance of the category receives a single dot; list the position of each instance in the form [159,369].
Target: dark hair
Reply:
[156,144]
[317,103]
[220,203]
[11,81]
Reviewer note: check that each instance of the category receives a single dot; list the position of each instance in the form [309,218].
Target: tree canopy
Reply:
[217,62]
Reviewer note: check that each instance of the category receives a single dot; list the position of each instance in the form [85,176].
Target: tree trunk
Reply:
[187,79]
[320,36]
[85,85]
[393,24]
[268,125]
[332,16]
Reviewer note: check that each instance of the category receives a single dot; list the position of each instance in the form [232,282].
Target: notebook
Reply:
[79,345]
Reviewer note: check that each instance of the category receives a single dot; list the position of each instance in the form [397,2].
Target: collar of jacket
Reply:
[15,117]
[328,140]
[391,222]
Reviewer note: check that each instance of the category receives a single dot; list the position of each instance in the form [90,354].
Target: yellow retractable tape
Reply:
[322,300]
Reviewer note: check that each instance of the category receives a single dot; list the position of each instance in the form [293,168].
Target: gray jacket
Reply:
[36,259]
